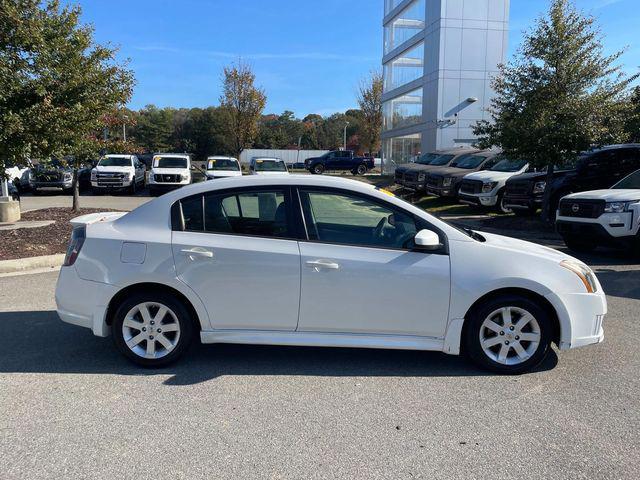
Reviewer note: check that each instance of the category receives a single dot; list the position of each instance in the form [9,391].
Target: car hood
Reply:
[451,172]
[610,195]
[532,176]
[489,176]
[113,169]
[523,247]
[223,173]
[169,171]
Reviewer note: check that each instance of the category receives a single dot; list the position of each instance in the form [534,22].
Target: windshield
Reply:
[223,164]
[630,182]
[170,162]
[270,166]
[442,160]
[114,162]
[470,161]
[506,165]
[427,158]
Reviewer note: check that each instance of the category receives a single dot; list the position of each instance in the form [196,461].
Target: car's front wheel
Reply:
[318,169]
[152,330]
[508,334]
[501,206]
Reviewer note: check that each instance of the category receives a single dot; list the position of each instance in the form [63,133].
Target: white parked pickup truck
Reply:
[486,187]
[168,172]
[222,167]
[118,172]
[587,220]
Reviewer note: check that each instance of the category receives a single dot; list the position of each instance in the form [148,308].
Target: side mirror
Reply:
[427,240]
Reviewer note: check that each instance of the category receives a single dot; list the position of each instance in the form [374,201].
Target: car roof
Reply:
[274,159]
[178,155]
[221,157]
[611,147]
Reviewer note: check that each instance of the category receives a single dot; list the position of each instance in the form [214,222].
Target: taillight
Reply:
[75,244]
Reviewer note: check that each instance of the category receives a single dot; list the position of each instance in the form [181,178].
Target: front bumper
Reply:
[112,185]
[483,200]
[581,317]
[602,233]
[523,202]
[63,184]
[442,191]
[83,302]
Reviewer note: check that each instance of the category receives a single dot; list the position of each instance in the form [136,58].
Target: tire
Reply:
[501,336]
[579,245]
[176,318]
[361,169]
[500,207]
[133,188]
[317,169]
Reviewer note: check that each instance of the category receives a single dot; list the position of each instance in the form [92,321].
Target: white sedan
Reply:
[360,268]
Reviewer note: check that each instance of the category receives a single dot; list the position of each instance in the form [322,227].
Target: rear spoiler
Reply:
[96,218]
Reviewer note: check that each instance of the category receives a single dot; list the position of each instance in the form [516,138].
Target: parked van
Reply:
[168,172]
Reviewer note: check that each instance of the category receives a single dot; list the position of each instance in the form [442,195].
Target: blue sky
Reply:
[308,55]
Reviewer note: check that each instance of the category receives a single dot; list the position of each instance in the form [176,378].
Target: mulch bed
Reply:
[50,240]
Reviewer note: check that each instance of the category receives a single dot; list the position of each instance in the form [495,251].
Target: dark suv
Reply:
[594,170]
[414,175]
[446,182]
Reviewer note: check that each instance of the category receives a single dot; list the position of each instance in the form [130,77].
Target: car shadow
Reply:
[38,342]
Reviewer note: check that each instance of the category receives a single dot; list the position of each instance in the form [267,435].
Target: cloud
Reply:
[319,56]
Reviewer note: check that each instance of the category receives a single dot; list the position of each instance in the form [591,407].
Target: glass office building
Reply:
[438,62]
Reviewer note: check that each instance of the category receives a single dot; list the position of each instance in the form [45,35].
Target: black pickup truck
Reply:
[594,170]
[339,160]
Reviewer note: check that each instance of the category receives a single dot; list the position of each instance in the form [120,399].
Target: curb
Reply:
[31,263]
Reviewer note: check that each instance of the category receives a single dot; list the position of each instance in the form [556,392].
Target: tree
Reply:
[243,104]
[370,101]
[560,95]
[633,119]
[62,83]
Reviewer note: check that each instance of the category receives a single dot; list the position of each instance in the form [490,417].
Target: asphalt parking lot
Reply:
[72,406]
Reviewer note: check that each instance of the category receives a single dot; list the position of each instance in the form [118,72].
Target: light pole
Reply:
[345,135]
[124,129]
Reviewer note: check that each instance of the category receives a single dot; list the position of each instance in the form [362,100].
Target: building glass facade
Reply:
[402,111]
[439,59]
[405,25]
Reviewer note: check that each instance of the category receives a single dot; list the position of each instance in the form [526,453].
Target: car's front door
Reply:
[360,272]
[235,250]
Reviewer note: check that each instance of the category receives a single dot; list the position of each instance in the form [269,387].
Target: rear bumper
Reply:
[82,302]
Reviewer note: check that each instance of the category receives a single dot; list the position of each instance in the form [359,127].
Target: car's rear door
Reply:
[360,273]
[236,250]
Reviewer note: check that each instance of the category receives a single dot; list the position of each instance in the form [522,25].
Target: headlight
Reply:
[94,175]
[68,176]
[422,176]
[539,187]
[185,176]
[585,273]
[446,182]
[488,187]
[618,207]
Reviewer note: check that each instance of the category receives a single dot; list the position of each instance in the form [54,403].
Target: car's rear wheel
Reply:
[318,169]
[509,334]
[361,169]
[580,245]
[152,330]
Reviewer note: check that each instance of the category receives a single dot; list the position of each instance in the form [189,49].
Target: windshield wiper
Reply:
[473,234]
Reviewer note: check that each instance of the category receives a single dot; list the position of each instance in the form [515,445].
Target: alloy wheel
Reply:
[151,330]
[510,335]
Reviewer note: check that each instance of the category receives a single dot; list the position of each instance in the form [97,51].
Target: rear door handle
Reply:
[319,264]
[197,252]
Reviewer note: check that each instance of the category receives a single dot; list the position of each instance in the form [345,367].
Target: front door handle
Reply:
[319,264]
[197,252]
